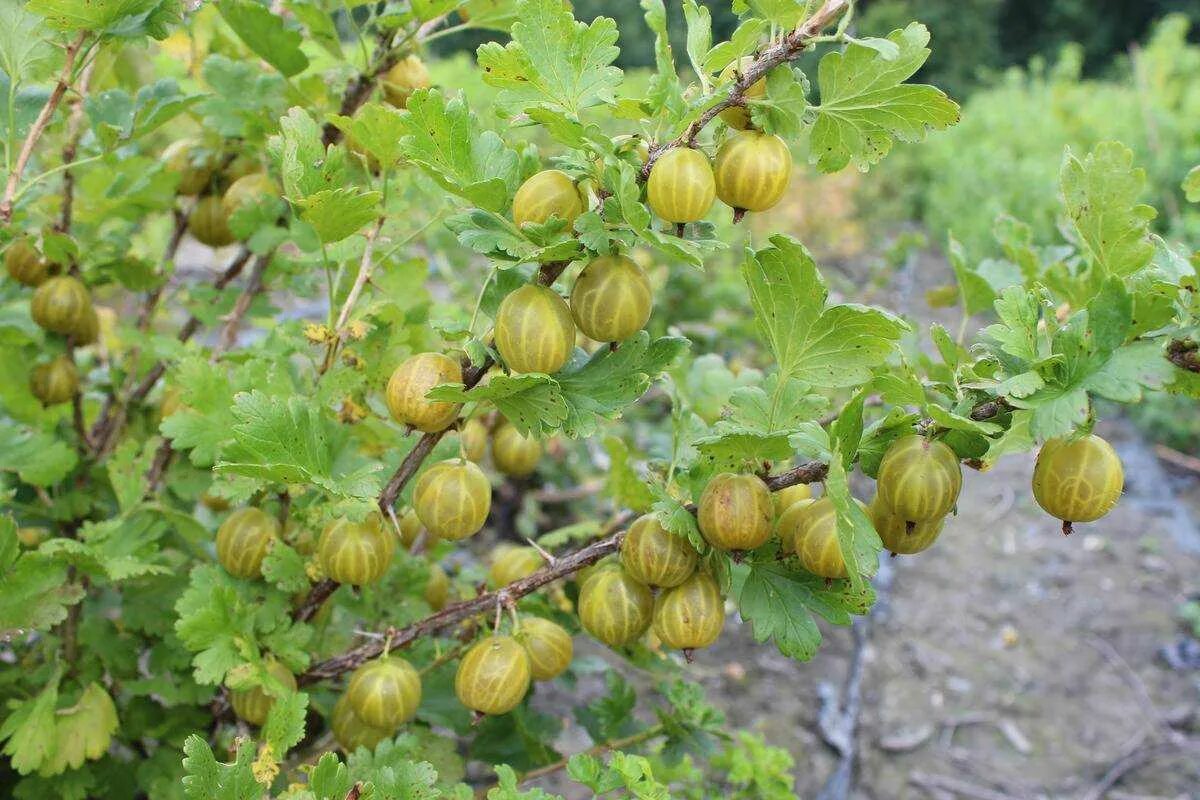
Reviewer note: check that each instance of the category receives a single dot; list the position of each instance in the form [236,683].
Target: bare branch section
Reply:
[786,49]
[74,133]
[39,127]
[1184,354]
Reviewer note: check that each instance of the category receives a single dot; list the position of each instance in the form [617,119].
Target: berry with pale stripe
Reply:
[409,384]
[405,77]
[816,540]
[611,299]
[437,587]
[548,646]
[54,382]
[253,704]
[194,165]
[736,512]
[1078,481]
[474,436]
[25,264]
[351,732]
[785,497]
[452,499]
[550,192]
[681,187]
[788,524]
[513,453]
[656,557]
[919,479]
[61,305]
[385,693]
[534,330]
[752,171]
[614,607]
[357,553]
[738,117]
[511,563]
[493,676]
[691,615]
[244,539]
[247,191]
[209,224]
[896,535]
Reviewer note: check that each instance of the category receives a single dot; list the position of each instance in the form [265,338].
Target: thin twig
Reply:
[254,285]
[365,267]
[74,132]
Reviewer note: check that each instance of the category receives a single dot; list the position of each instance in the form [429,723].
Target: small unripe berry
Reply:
[513,563]
[789,523]
[513,453]
[409,384]
[253,705]
[411,527]
[550,192]
[404,78]
[691,615]
[738,117]
[611,299]
[655,556]
[752,171]
[736,512]
[474,435]
[244,539]
[192,163]
[493,676]
[357,553]
[548,646]
[437,588]
[385,693]
[919,479]
[248,190]
[784,498]
[452,499]
[534,330]
[681,187]
[25,264]
[54,382]
[61,305]
[351,732]
[1078,481]
[209,223]
[614,607]
[897,536]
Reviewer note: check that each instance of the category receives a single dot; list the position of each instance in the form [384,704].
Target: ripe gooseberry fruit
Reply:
[752,171]
[61,305]
[209,224]
[691,615]
[681,187]
[253,705]
[1077,481]
[656,557]
[192,163]
[54,382]
[452,499]
[409,384]
[534,330]
[248,190]
[244,539]
[789,522]
[548,646]
[550,192]
[611,299]
[474,437]
[785,497]
[736,512]
[897,537]
[405,77]
[816,540]
[410,528]
[32,536]
[918,480]
[351,732]
[493,676]
[384,693]
[614,607]
[437,588]
[738,117]
[25,264]
[513,453]
[357,553]
[513,563]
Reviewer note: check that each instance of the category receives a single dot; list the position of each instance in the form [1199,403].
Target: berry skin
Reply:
[409,384]
[788,523]
[399,82]
[896,536]
[545,194]
[738,117]
[209,224]
[61,305]
[919,479]
[548,646]
[513,563]
[452,499]
[54,382]
[656,557]
[615,608]
[1078,481]
[411,528]
[191,163]
[351,732]
[691,615]
[384,693]
[493,676]
[752,171]
[243,541]
[357,553]
[474,435]
[534,330]
[25,264]
[816,540]
[681,187]
[248,190]
[611,299]
[736,512]
[513,453]
[437,588]
[785,497]
[253,705]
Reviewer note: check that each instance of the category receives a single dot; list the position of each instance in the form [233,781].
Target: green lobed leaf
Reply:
[376,128]
[266,34]
[1101,194]
[24,52]
[207,779]
[623,484]
[1191,185]
[37,458]
[30,730]
[859,542]
[338,213]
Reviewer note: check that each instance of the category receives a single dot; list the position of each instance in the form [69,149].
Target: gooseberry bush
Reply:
[283,318]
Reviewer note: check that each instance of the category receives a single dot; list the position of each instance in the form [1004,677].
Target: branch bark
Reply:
[74,132]
[1184,354]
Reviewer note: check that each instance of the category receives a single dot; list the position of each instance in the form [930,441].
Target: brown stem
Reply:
[1184,354]
[786,49]
[39,127]
[254,286]
[74,132]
